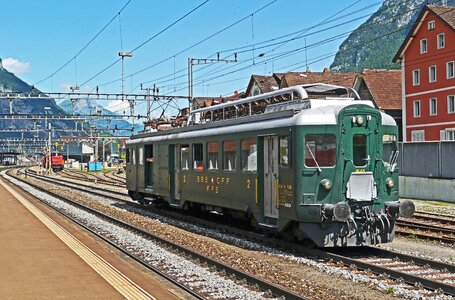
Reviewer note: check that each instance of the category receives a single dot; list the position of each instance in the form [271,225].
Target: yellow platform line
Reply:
[119,281]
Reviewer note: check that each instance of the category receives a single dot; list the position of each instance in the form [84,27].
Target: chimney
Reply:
[326,70]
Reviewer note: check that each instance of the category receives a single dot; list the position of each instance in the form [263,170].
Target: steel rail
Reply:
[263,285]
[346,260]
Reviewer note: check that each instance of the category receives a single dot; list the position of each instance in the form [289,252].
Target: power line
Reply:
[147,41]
[196,44]
[85,46]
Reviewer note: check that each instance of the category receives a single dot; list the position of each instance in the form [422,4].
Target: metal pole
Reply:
[190,83]
[49,170]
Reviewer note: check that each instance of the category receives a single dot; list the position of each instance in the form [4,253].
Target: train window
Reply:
[184,157]
[389,147]
[249,155]
[198,157]
[141,155]
[320,150]
[229,155]
[212,155]
[284,151]
[359,150]
[128,156]
[133,156]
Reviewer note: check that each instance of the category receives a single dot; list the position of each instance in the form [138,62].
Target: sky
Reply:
[40,37]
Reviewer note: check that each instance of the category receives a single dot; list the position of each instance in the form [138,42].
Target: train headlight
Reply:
[326,183]
[390,183]
[360,120]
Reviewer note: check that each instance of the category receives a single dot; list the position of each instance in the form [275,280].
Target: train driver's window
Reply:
[212,155]
[184,157]
[389,147]
[229,155]
[320,150]
[284,151]
[128,156]
[133,156]
[249,155]
[198,157]
[141,155]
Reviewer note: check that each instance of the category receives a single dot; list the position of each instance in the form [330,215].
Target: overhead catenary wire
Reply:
[85,46]
[324,57]
[196,44]
[274,39]
[147,41]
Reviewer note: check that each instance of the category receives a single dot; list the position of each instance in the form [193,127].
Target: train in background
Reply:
[57,161]
[312,163]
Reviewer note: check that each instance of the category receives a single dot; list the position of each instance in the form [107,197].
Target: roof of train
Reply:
[322,111]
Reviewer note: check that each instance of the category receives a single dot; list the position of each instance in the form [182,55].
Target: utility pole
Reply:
[131,102]
[202,61]
[123,55]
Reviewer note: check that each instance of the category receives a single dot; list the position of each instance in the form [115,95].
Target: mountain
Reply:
[376,41]
[82,107]
[10,83]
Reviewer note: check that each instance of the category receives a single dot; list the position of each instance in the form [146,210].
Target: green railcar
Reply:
[311,162]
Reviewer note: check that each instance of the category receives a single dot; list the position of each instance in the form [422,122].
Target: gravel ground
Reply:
[311,278]
[435,206]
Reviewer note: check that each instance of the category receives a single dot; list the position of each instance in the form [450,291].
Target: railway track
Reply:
[91,178]
[369,261]
[113,176]
[430,226]
[271,290]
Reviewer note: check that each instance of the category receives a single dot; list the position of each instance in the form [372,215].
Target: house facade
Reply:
[427,58]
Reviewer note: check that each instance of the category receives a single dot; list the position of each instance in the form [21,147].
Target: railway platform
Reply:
[44,256]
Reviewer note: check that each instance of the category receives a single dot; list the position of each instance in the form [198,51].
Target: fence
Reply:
[428,159]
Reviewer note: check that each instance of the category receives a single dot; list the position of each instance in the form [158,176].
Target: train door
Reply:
[359,140]
[148,168]
[271,176]
[174,174]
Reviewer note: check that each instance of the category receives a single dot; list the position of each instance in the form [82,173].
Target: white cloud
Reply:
[16,66]
[118,106]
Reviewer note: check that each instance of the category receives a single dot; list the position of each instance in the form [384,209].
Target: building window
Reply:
[416,108]
[431,25]
[416,77]
[433,107]
[418,135]
[441,41]
[212,155]
[450,134]
[249,155]
[451,104]
[450,69]
[423,46]
[432,73]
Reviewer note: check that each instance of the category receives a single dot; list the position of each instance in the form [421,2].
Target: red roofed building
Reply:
[335,78]
[427,58]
